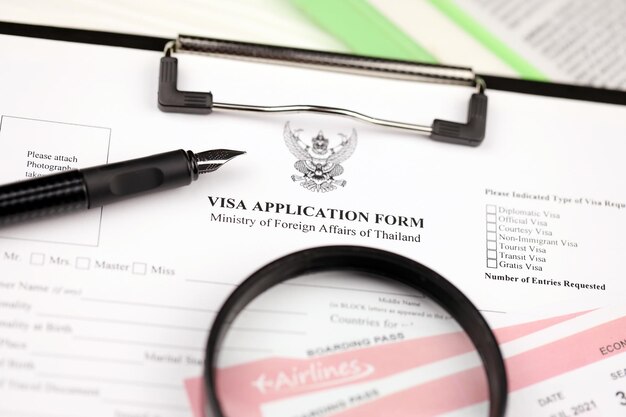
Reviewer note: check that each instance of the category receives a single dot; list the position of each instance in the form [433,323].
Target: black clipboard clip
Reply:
[470,133]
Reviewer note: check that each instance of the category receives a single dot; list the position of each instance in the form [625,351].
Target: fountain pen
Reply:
[87,188]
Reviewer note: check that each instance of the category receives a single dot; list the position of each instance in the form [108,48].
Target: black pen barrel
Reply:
[121,180]
[43,196]
[95,187]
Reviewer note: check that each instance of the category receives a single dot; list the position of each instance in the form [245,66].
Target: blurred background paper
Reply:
[566,41]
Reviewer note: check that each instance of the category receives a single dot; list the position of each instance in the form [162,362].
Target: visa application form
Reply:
[107,311]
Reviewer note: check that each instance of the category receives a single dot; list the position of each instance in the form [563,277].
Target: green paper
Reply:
[524,68]
[363,29]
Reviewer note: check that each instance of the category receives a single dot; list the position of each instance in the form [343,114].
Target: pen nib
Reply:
[209,161]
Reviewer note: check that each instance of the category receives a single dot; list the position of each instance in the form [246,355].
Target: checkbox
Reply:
[491,209]
[491,227]
[491,244]
[491,236]
[492,263]
[37,259]
[491,254]
[491,218]
[139,268]
[83,263]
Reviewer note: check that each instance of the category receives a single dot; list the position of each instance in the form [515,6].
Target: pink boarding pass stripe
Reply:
[339,369]
[243,388]
[506,334]
[528,368]
[195,392]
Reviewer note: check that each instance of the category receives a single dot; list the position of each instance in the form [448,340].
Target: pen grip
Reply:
[43,196]
[121,180]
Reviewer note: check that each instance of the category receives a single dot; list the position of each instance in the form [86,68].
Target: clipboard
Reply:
[151,43]
[171,99]
[470,132]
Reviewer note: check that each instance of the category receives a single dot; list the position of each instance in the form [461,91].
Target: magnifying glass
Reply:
[351,331]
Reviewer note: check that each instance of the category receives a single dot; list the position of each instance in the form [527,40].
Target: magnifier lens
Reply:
[347,344]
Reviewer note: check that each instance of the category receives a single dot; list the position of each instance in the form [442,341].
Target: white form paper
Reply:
[107,312]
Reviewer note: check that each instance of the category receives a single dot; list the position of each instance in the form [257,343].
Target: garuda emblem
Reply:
[319,165]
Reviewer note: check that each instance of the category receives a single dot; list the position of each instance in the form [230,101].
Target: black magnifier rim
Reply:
[370,261]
